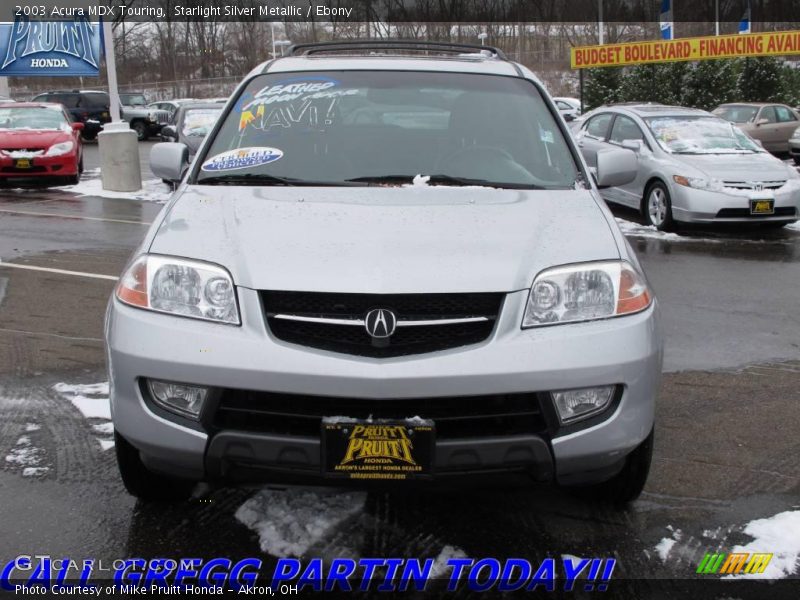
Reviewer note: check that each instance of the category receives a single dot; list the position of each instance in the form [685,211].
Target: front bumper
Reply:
[623,351]
[692,205]
[41,166]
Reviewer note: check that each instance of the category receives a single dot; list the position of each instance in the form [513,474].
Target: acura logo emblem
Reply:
[380,323]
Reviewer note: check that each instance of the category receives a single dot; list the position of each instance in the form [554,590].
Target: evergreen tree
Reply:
[760,80]
[709,83]
[660,83]
[601,86]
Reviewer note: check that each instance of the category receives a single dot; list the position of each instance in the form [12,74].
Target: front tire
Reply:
[143,483]
[628,484]
[141,130]
[657,206]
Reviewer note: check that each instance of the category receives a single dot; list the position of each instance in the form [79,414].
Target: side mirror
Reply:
[77,126]
[169,131]
[168,161]
[762,122]
[615,167]
[635,145]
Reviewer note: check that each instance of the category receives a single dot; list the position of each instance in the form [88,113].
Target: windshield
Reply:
[33,118]
[737,114]
[197,122]
[699,135]
[377,127]
[133,99]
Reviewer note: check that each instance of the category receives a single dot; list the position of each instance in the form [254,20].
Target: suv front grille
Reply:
[454,417]
[281,307]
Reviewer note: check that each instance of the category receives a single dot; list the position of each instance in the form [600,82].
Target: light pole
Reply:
[482,37]
[283,44]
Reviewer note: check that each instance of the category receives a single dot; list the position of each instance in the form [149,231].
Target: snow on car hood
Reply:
[384,239]
[737,167]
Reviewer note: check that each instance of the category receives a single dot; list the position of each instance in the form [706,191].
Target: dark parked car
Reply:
[84,106]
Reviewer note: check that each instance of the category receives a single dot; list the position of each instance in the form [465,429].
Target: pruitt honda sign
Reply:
[777,43]
[50,48]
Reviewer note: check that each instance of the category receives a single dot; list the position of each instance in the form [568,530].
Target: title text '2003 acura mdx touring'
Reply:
[385,264]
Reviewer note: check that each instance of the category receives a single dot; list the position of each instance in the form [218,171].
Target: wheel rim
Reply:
[657,206]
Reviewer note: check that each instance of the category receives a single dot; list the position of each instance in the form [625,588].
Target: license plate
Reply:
[377,450]
[762,207]
[22,163]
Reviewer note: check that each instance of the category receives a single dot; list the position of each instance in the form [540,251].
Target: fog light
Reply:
[574,405]
[186,400]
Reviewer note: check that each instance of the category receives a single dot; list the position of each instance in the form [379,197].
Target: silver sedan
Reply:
[693,167]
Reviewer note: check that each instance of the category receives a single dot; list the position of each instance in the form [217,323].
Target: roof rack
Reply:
[406,45]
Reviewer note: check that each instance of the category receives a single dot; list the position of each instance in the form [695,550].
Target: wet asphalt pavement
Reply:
[727,432]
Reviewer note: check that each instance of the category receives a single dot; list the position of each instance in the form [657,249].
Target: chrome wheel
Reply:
[657,206]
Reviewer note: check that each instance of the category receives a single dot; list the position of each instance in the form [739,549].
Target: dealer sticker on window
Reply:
[242,158]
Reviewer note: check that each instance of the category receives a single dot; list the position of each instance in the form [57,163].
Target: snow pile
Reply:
[779,535]
[647,231]
[153,190]
[93,403]
[440,569]
[664,547]
[795,226]
[24,454]
[289,522]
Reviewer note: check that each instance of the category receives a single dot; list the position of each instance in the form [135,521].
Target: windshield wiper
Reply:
[263,179]
[442,179]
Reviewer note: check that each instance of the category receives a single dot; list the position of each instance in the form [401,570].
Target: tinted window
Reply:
[625,129]
[94,101]
[784,114]
[68,100]
[344,125]
[598,126]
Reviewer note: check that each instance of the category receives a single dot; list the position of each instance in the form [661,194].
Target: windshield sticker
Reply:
[546,136]
[242,158]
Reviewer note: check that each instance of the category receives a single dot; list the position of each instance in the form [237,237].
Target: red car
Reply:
[38,141]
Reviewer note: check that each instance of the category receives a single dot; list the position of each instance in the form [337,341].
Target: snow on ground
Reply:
[795,226]
[93,403]
[153,190]
[664,547]
[24,454]
[289,522]
[779,535]
[440,569]
[648,231]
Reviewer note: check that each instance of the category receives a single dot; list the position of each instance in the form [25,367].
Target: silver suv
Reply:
[388,262]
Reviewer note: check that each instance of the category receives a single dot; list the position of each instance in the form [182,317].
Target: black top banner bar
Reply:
[444,11]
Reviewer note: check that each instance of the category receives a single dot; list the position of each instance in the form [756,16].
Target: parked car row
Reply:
[694,166]
[92,108]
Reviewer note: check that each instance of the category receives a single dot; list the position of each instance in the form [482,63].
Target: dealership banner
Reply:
[50,48]
[777,43]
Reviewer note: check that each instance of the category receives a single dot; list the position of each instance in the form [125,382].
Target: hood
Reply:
[25,138]
[737,167]
[385,240]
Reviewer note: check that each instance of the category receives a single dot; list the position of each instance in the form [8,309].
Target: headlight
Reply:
[180,287]
[712,185]
[151,117]
[60,148]
[584,293]
[796,135]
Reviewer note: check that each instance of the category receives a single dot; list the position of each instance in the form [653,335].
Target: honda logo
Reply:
[758,187]
[380,323]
